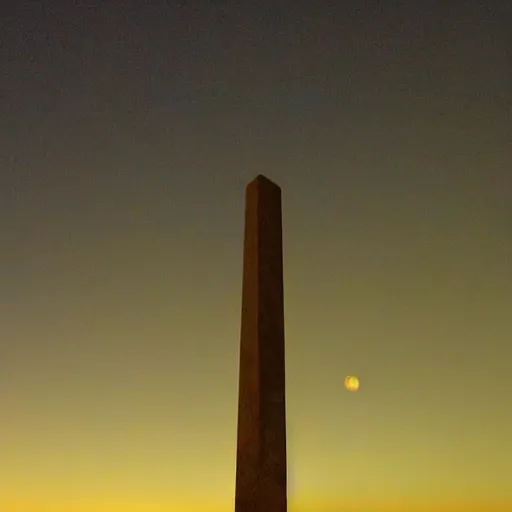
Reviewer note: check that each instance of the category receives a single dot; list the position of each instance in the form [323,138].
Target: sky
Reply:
[128,134]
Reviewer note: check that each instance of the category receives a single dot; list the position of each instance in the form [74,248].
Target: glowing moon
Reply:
[351,383]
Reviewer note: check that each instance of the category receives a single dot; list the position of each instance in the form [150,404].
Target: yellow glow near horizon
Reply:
[169,505]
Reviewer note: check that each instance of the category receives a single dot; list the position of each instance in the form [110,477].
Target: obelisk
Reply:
[261,444]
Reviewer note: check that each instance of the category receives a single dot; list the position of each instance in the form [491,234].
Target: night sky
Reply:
[127,136]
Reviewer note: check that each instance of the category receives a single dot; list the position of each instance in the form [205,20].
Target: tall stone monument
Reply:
[261,446]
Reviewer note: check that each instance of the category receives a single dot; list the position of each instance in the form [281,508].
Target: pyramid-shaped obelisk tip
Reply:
[262,181]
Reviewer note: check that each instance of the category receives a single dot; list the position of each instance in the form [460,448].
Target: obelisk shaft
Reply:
[261,447]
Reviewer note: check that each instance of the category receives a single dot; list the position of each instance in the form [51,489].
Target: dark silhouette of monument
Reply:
[261,446]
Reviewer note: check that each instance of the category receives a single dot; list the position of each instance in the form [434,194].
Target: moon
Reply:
[351,383]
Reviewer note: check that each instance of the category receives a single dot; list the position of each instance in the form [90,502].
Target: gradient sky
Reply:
[127,137]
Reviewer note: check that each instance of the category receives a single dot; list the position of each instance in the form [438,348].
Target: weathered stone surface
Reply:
[261,448]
